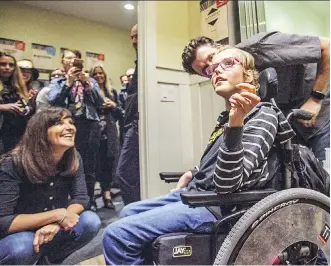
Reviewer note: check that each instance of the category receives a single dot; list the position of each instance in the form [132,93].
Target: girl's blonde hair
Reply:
[247,61]
[16,79]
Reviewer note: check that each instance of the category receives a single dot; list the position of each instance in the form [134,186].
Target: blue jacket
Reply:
[60,94]
[122,95]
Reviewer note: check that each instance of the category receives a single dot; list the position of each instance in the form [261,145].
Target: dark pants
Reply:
[108,160]
[12,130]
[87,143]
[320,141]
[121,130]
[128,166]
[17,248]
[9,142]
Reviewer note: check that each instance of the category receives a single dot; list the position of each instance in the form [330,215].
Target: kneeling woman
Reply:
[37,220]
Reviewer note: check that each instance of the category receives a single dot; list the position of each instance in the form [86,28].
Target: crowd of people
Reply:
[95,105]
[56,142]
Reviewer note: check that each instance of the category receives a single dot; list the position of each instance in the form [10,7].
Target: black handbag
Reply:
[308,171]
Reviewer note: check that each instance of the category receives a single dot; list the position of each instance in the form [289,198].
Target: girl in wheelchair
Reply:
[235,159]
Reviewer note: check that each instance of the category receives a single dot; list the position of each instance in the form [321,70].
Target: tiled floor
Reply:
[93,249]
[99,260]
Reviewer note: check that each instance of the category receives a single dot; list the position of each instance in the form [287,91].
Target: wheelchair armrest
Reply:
[170,177]
[206,198]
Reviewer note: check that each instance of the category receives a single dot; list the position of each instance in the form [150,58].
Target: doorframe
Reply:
[147,86]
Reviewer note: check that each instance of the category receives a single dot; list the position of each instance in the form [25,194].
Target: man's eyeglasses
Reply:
[69,57]
[226,63]
[57,76]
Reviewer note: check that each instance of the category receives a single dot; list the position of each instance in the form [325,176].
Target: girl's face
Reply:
[227,72]
[26,69]
[62,134]
[7,67]
[99,75]
[27,74]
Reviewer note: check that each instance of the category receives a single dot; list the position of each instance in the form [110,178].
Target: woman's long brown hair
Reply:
[106,82]
[16,79]
[33,156]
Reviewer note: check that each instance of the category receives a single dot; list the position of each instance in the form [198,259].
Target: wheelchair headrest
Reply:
[268,84]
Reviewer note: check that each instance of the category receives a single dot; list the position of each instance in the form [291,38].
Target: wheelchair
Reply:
[285,226]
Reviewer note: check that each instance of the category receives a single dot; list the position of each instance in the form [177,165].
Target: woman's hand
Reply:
[44,235]
[83,77]
[73,74]
[183,181]
[108,103]
[15,108]
[241,104]
[32,92]
[70,220]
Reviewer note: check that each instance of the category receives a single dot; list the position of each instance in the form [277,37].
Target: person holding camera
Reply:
[81,95]
[38,221]
[14,98]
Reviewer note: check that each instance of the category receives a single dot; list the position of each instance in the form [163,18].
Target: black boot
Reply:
[93,205]
[108,203]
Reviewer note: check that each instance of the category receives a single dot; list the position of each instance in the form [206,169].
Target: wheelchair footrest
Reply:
[183,249]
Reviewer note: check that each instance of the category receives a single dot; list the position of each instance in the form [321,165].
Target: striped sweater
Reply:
[236,158]
[242,156]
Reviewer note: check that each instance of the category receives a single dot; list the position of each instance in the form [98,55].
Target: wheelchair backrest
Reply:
[268,84]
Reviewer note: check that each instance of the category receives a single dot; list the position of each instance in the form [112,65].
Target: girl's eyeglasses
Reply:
[226,63]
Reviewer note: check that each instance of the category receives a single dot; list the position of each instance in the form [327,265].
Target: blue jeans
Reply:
[125,240]
[320,141]
[17,248]
[127,173]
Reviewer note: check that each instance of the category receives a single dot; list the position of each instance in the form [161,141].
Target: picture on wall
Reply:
[43,56]
[214,22]
[94,59]
[14,47]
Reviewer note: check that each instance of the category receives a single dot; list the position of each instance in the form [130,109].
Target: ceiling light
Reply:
[129,7]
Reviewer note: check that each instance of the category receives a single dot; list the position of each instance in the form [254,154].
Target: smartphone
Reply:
[78,63]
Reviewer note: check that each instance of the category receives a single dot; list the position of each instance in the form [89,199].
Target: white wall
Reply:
[302,17]
[178,131]
[173,135]
[34,25]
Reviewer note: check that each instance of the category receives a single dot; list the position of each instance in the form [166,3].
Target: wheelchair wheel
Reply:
[290,227]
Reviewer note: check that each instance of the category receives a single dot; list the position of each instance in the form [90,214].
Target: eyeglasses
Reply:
[3,64]
[56,76]
[225,64]
[70,57]
[26,70]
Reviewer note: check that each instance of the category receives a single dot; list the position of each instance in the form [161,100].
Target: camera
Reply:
[26,107]
[78,63]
